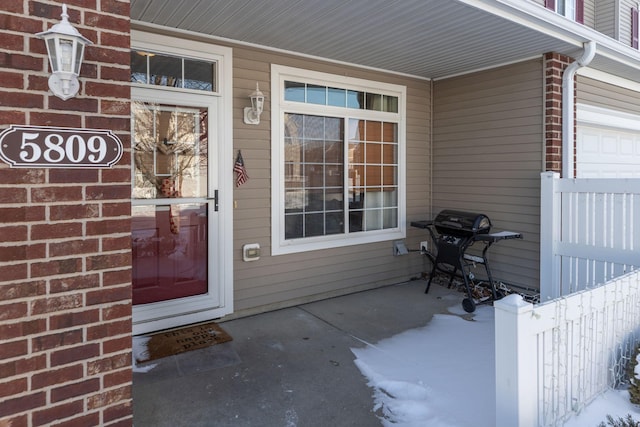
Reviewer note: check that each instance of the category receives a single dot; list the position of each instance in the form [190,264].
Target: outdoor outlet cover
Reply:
[251,252]
[399,248]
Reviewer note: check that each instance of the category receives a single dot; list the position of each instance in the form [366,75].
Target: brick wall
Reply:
[65,252]
[555,65]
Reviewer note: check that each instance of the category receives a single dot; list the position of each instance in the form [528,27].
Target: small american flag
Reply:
[240,170]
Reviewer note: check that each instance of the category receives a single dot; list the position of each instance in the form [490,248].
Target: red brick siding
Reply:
[555,65]
[65,254]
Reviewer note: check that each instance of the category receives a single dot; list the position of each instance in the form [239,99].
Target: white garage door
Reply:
[603,151]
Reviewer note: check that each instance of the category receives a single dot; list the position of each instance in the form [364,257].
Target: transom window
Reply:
[339,158]
[151,68]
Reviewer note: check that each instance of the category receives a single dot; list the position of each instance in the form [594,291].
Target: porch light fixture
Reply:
[65,48]
[252,114]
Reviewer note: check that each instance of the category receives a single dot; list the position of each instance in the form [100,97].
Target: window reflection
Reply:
[170,151]
[171,71]
[337,97]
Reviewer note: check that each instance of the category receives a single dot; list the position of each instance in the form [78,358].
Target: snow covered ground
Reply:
[443,375]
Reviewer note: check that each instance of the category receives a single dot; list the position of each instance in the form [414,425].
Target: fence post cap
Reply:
[513,303]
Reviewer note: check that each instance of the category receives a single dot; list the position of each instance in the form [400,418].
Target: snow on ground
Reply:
[443,375]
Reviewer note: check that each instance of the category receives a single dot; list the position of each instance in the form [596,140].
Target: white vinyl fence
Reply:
[589,232]
[554,358]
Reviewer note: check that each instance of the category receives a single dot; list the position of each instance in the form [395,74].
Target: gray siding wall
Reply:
[606,95]
[624,13]
[605,18]
[590,13]
[283,280]
[488,155]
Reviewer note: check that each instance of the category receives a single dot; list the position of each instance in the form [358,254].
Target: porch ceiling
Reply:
[425,38]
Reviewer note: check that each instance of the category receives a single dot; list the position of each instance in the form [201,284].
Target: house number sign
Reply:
[53,147]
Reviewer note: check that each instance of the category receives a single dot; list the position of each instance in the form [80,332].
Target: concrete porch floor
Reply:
[291,368]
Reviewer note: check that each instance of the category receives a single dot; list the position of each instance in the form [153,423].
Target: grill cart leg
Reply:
[467,304]
[433,273]
[495,295]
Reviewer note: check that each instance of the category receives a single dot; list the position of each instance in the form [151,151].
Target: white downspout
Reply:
[568,107]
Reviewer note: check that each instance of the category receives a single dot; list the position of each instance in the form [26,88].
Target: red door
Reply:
[169,252]
[170,204]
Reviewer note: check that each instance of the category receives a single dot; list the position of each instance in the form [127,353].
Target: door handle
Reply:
[215,200]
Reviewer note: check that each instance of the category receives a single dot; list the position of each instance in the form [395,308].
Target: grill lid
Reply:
[461,223]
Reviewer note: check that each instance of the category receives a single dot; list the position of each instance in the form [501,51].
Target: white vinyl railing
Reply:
[554,358]
[589,232]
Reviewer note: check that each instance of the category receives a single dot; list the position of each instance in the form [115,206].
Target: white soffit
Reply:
[424,38]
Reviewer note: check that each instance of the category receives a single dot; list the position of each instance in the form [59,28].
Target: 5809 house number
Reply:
[33,146]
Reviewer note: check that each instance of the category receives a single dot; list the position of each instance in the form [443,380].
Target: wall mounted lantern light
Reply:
[252,114]
[65,47]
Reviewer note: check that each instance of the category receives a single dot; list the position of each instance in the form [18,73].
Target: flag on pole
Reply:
[240,170]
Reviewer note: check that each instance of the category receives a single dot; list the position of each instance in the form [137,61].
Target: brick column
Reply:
[554,64]
[65,240]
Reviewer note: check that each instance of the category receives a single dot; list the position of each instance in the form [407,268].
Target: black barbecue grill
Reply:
[453,232]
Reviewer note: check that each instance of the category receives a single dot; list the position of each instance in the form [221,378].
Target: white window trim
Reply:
[279,74]
[569,9]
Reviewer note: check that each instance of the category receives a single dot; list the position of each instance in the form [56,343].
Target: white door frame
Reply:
[153,317]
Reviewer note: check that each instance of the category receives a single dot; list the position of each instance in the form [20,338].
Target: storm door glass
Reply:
[170,206]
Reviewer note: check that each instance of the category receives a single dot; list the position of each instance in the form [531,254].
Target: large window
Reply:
[338,160]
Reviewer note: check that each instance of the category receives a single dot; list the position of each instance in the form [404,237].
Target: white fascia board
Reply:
[537,17]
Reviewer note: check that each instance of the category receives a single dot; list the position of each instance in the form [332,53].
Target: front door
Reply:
[182,181]
[174,208]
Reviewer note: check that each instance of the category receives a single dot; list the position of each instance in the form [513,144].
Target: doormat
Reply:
[176,341]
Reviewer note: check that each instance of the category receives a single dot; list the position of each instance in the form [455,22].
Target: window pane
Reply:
[138,67]
[165,70]
[293,125]
[373,220]
[314,175]
[294,91]
[170,151]
[294,200]
[333,128]
[389,154]
[390,218]
[355,99]
[389,176]
[373,199]
[356,152]
[390,104]
[391,198]
[334,200]
[313,225]
[293,226]
[333,176]
[313,127]
[390,132]
[337,97]
[333,151]
[198,75]
[317,94]
[374,102]
[374,131]
[314,151]
[373,153]
[356,222]
[334,223]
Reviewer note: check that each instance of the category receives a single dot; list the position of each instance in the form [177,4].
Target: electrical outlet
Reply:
[424,247]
